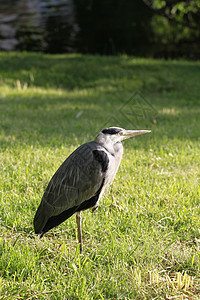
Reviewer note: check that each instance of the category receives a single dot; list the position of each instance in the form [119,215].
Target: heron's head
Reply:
[116,134]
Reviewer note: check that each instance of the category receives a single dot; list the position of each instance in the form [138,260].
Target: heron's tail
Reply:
[43,213]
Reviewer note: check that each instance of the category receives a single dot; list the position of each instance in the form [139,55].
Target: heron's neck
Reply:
[113,149]
[118,147]
[108,143]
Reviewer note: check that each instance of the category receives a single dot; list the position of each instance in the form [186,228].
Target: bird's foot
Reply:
[81,248]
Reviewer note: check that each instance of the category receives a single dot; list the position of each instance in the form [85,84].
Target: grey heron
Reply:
[81,180]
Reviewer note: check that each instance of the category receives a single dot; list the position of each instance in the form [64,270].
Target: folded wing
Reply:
[76,185]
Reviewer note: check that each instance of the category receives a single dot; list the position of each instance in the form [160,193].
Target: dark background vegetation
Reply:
[155,28]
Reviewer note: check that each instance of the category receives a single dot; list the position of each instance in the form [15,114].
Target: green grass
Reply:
[143,242]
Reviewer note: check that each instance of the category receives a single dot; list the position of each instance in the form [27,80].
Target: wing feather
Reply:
[77,180]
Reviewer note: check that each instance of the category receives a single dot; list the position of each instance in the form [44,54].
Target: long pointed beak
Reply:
[129,133]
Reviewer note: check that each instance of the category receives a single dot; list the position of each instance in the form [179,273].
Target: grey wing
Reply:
[78,179]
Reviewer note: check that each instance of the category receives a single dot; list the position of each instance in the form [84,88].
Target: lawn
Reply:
[143,242]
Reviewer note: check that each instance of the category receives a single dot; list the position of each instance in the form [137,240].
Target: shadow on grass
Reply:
[79,71]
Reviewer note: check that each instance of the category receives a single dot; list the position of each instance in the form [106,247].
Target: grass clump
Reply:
[144,240]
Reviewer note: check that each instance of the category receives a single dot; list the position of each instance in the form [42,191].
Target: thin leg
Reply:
[95,207]
[78,221]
